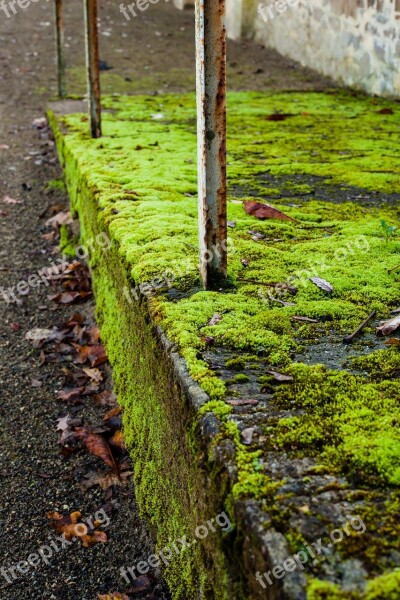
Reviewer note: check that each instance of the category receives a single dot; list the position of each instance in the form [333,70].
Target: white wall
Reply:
[356,42]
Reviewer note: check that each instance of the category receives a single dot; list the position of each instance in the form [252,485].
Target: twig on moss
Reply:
[394,268]
[349,338]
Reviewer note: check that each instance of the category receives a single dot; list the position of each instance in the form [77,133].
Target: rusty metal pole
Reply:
[93,67]
[60,48]
[211,132]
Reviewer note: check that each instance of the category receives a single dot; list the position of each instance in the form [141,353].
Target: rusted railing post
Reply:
[60,48]
[93,67]
[211,131]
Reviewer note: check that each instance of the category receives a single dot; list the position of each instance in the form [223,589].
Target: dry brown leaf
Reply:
[105,480]
[97,355]
[94,374]
[61,218]
[387,327]
[40,122]
[70,297]
[106,398]
[112,413]
[117,440]
[62,423]
[97,446]
[214,320]
[280,376]
[38,336]
[265,211]
[71,395]
[392,342]
[322,284]
[8,200]
[72,528]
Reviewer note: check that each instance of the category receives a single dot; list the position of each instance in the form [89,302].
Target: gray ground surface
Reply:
[153,53]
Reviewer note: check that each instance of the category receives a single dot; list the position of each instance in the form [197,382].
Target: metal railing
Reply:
[211,120]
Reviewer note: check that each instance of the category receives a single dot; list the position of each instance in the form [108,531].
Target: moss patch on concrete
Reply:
[140,187]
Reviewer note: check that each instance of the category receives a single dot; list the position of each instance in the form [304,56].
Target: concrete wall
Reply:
[356,42]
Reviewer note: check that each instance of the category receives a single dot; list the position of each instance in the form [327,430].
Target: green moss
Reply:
[235,363]
[220,409]
[56,185]
[143,194]
[350,423]
[323,590]
[68,244]
[381,364]
[385,587]
[239,378]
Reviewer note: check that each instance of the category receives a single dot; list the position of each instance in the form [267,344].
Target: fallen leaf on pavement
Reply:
[38,336]
[322,284]
[105,480]
[97,446]
[71,527]
[61,218]
[388,327]
[105,398]
[94,374]
[117,440]
[71,395]
[265,211]
[8,200]
[62,423]
[70,297]
[141,584]
[76,319]
[97,355]
[112,413]
[40,122]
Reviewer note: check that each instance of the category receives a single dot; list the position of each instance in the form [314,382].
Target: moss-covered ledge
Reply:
[292,464]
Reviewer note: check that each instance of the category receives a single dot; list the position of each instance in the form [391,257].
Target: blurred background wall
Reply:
[356,42]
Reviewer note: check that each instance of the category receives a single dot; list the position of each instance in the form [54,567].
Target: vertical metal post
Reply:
[211,131]
[93,67]
[60,48]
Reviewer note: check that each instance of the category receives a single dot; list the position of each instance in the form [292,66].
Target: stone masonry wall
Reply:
[356,42]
